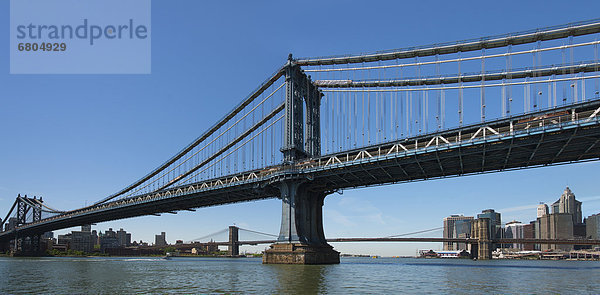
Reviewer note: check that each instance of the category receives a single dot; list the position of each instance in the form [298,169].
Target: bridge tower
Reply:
[301,239]
[480,230]
[234,247]
[27,245]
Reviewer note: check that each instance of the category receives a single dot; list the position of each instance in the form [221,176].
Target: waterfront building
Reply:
[207,248]
[95,238]
[82,241]
[457,226]
[443,254]
[565,222]
[160,240]
[108,243]
[514,230]
[86,227]
[529,233]
[592,225]
[124,238]
[555,226]
[108,240]
[63,241]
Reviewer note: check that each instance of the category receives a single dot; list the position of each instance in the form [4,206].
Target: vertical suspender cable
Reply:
[369,112]
[574,84]
[564,61]
[509,97]
[535,86]
[354,95]
[550,92]
[362,111]
[377,119]
[326,120]
[439,96]
[340,121]
[426,112]
[419,98]
[597,80]
[410,112]
[482,90]
[460,91]
[396,122]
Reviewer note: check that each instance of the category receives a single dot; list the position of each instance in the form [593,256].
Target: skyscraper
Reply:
[542,209]
[568,204]
[495,222]
[593,227]
[122,237]
[563,223]
[160,240]
[457,226]
[514,230]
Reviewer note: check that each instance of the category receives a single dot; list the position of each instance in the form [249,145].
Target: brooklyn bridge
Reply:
[324,124]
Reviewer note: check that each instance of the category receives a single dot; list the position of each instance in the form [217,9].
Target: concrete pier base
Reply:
[301,238]
[296,253]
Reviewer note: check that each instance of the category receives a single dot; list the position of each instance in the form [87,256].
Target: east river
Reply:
[109,275]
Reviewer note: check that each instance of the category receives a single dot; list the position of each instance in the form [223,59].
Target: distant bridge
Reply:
[233,243]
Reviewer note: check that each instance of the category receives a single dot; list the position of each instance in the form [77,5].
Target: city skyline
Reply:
[98,137]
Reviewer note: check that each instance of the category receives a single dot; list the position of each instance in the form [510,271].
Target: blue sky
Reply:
[74,139]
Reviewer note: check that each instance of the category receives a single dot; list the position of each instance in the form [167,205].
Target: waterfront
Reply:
[110,275]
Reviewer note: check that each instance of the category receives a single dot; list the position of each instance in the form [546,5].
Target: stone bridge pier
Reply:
[301,238]
[480,230]
[233,249]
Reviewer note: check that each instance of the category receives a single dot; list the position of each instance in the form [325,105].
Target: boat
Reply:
[168,256]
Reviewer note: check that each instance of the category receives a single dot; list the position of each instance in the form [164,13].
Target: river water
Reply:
[106,275]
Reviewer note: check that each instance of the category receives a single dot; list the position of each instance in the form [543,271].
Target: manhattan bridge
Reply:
[323,124]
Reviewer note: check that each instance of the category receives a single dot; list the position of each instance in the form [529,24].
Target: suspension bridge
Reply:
[324,124]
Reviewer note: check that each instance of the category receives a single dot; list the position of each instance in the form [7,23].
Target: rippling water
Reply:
[248,275]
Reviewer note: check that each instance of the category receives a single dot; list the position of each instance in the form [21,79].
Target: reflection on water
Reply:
[249,275]
[308,279]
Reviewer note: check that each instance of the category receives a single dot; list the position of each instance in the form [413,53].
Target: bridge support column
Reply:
[4,247]
[234,247]
[301,238]
[480,230]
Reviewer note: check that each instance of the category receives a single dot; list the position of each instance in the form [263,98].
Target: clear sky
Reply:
[75,139]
